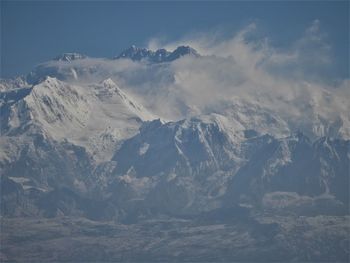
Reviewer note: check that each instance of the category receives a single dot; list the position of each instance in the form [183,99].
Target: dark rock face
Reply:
[67,57]
[160,55]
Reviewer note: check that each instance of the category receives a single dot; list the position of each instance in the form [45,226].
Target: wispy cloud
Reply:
[308,57]
[290,81]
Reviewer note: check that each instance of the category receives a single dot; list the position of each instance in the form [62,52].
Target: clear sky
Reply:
[33,32]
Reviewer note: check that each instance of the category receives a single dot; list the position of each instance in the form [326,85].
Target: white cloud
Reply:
[308,57]
[288,82]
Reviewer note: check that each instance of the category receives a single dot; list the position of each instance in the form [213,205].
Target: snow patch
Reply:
[143,149]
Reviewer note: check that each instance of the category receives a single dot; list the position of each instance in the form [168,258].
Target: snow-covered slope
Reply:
[55,106]
[195,165]
[293,165]
[178,166]
[96,116]
[189,85]
[16,83]
[114,117]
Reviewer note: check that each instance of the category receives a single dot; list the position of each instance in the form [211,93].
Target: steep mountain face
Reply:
[54,133]
[177,167]
[197,163]
[51,105]
[193,145]
[16,83]
[97,116]
[34,165]
[294,165]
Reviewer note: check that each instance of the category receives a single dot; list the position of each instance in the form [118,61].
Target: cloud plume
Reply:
[291,82]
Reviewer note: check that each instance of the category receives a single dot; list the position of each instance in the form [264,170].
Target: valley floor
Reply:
[266,238]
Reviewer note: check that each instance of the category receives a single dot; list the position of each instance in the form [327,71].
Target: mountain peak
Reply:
[69,57]
[135,53]
[183,51]
[161,55]
[108,82]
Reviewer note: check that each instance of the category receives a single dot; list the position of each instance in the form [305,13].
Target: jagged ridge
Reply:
[160,55]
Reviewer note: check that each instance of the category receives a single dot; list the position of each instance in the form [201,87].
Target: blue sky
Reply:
[33,32]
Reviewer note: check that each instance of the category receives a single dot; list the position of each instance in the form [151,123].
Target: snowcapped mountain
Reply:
[174,148]
[190,85]
[96,116]
[16,83]
[50,105]
[194,165]
[144,139]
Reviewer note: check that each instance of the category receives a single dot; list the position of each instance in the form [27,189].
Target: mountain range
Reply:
[124,139]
